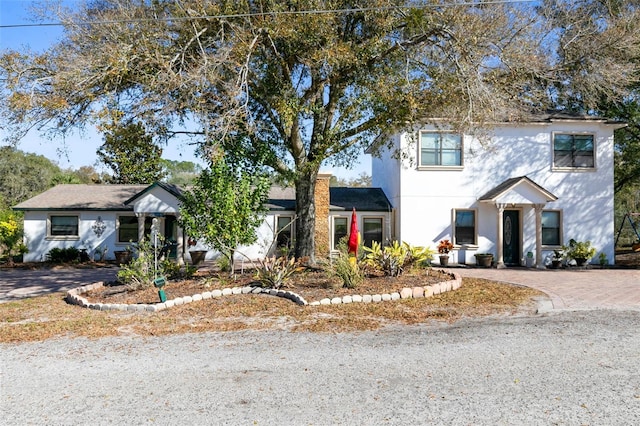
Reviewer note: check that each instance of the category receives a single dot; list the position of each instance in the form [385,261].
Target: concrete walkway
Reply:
[590,288]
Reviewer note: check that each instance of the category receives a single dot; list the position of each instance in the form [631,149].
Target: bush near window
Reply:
[346,267]
[63,255]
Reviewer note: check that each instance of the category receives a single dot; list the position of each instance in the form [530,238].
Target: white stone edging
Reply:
[74,296]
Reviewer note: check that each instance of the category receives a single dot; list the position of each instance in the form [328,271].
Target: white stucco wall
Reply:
[35,232]
[424,199]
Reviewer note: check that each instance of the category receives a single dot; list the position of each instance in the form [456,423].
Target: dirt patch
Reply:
[49,316]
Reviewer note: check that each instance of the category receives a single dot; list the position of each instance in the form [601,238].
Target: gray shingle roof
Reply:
[82,197]
[119,197]
[281,198]
[366,199]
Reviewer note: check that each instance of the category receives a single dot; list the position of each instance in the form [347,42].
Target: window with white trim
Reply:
[440,149]
[340,230]
[284,232]
[63,226]
[464,227]
[127,229]
[575,151]
[551,228]
[371,230]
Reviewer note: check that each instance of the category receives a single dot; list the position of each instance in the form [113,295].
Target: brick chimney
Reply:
[321,199]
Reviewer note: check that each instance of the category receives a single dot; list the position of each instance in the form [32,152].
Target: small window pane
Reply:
[450,141]
[465,227]
[127,229]
[450,158]
[64,225]
[339,230]
[372,231]
[429,158]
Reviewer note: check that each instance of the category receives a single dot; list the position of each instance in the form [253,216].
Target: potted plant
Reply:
[123,257]
[197,256]
[580,251]
[484,259]
[556,259]
[444,247]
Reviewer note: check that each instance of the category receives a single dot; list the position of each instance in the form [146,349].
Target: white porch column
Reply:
[499,249]
[538,210]
[180,250]
[141,219]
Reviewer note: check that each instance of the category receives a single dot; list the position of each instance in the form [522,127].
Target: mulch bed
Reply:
[312,285]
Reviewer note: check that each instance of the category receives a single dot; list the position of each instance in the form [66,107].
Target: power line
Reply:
[293,12]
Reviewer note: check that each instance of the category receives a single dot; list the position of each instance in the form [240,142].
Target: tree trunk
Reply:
[305,216]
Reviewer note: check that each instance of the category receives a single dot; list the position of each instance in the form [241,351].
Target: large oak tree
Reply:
[293,85]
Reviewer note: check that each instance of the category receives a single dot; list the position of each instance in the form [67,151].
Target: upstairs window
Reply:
[573,151]
[63,226]
[440,149]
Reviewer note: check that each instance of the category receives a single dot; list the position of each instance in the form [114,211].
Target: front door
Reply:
[511,237]
[171,236]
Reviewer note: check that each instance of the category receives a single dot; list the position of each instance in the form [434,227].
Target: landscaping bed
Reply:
[312,285]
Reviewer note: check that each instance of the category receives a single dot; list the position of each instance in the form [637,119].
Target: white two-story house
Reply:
[511,189]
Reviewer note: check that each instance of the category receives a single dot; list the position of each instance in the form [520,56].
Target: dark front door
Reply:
[171,236]
[511,237]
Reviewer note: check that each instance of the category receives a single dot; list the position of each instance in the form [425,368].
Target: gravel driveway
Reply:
[567,368]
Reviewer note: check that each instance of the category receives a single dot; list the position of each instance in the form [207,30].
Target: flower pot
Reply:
[444,260]
[122,257]
[197,256]
[555,264]
[484,260]
[580,261]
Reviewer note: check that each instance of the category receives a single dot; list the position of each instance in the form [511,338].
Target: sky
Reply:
[79,149]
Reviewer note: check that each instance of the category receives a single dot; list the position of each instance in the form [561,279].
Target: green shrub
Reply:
[63,255]
[418,256]
[389,259]
[274,272]
[396,257]
[346,267]
[579,250]
[139,273]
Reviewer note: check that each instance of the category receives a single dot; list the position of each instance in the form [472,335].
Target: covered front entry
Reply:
[509,198]
[511,237]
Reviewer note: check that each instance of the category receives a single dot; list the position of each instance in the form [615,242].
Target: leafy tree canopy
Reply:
[224,207]
[24,175]
[182,173]
[362,180]
[292,85]
[131,154]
